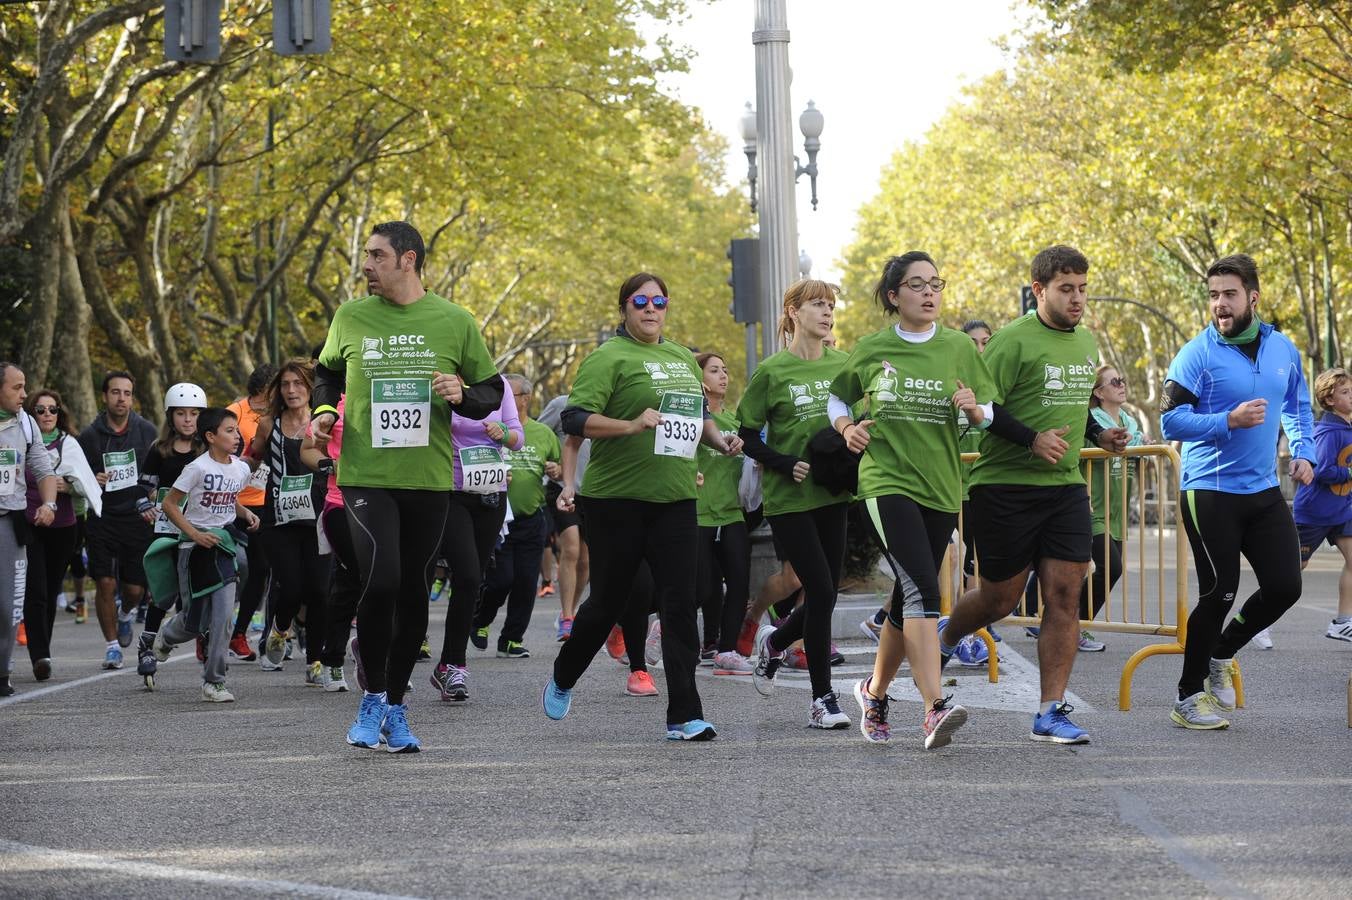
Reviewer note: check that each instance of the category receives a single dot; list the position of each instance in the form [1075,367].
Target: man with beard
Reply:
[1217,394]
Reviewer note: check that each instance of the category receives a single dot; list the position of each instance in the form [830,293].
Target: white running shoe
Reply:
[334,682]
[731,662]
[1220,683]
[826,713]
[1340,632]
[652,646]
[1262,640]
[215,692]
[871,629]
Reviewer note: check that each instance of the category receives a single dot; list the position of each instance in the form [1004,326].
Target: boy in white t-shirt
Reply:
[206,557]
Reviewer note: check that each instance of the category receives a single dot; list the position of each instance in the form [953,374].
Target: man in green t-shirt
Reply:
[516,563]
[406,359]
[1029,505]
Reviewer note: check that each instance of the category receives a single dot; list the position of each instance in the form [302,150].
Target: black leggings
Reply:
[814,544]
[258,582]
[49,552]
[302,578]
[472,530]
[898,522]
[1107,555]
[395,536]
[621,533]
[724,558]
[344,587]
[511,578]
[1220,527]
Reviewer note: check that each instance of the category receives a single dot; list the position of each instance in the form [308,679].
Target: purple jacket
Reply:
[1328,499]
[470,433]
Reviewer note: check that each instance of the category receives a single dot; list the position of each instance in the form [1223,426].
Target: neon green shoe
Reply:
[1198,712]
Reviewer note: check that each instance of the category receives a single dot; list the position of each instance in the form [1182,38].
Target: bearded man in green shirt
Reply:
[1029,503]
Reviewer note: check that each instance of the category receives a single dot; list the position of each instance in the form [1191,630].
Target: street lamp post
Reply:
[774,146]
[767,133]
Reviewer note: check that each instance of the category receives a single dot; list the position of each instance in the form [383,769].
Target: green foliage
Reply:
[1153,172]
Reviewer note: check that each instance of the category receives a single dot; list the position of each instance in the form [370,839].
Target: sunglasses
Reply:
[642,300]
[1117,382]
[43,410]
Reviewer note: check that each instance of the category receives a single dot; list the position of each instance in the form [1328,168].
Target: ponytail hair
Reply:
[894,273]
[801,292]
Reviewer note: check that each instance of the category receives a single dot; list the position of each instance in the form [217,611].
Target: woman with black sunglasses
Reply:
[50,551]
[639,398]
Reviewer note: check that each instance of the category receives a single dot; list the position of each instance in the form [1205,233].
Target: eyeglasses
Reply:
[642,300]
[1117,382]
[44,410]
[918,284]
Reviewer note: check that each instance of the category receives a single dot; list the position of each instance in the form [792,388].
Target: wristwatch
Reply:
[51,505]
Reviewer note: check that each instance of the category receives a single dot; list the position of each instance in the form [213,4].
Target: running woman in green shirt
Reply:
[638,398]
[406,360]
[724,544]
[787,397]
[1029,503]
[914,377]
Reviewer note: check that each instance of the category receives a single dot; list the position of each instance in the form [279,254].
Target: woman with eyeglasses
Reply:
[52,545]
[639,398]
[918,380]
[787,397]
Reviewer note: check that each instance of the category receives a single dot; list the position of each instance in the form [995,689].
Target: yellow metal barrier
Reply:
[1166,616]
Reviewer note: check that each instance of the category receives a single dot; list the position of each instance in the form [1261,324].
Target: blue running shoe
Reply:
[694,730]
[124,629]
[972,652]
[557,700]
[1032,631]
[1054,727]
[943,657]
[398,738]
[112,659]
[365,731]
[995,635]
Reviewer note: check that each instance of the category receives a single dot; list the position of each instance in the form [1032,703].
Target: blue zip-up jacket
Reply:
[1328,499]
[1221,376]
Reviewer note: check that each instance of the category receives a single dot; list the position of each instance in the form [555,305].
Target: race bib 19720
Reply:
[482,470]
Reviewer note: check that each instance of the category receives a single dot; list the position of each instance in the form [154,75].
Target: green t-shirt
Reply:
[1123,474]
[969,441]
[396,430]
[1043,377]
[716,502]
[787,395]
[526,492]
[619,380]
[910,387]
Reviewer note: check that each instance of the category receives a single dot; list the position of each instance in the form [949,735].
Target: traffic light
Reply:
[745,279]
[301,26]
[1027,300]
[192,30]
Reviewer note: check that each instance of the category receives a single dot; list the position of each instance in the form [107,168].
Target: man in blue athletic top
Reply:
[1217,396]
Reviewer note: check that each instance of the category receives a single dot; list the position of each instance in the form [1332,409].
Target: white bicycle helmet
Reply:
[186,395]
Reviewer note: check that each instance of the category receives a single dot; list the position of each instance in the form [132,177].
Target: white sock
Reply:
[1048,706]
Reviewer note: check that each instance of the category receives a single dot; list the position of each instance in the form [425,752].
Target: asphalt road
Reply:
[107,790]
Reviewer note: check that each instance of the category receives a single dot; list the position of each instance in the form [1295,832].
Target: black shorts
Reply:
[1014,526]
[116,546]
[560,521]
